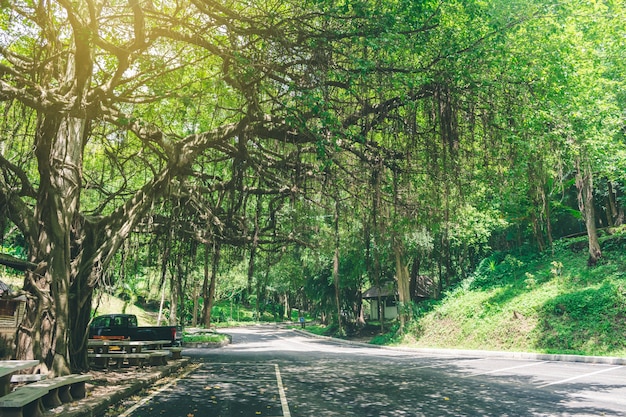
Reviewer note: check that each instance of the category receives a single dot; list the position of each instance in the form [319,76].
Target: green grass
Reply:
[108,304]
[205,338]
[553,303]
[317,329]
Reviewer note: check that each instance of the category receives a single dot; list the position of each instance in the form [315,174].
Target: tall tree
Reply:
[240,99]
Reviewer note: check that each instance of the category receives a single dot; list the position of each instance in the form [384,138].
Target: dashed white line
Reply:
[132,409]
[494,371]
[580,376]
[281,391]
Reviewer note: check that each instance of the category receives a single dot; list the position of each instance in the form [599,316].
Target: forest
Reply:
[287,154]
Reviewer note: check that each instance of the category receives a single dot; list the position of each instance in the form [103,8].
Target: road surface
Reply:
[280,373]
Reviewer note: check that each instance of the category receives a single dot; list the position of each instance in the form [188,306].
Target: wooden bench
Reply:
[19,378]
[62,389]
[23,402]
[176,352]
[134,359]
[158,357]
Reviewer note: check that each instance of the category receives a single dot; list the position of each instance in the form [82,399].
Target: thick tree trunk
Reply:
[44,333]
[584,184]
[80,316]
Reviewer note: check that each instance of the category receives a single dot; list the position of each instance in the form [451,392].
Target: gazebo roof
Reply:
[385,290]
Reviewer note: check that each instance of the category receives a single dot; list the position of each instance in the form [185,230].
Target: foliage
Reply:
[205,338]
[550,303]
[584,321]
[314,149]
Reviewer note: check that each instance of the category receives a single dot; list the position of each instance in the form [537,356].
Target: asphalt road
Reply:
[280,373]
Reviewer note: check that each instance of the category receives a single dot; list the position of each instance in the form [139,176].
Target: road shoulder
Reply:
[608,360]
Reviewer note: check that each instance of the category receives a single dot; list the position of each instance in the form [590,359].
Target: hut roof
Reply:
[384,290]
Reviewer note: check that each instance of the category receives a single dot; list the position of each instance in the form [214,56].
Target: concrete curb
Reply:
[609,360]
[93,406]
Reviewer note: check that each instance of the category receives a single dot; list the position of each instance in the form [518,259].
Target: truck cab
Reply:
[125,326]
[113,326]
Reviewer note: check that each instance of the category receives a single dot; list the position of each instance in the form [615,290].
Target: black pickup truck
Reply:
[124,326]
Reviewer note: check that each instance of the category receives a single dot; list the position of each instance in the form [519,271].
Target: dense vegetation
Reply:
[281,154]
[550,302]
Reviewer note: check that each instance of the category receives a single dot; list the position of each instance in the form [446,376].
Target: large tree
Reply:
[215,105]
[108,70]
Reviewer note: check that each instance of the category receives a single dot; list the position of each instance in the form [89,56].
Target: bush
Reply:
[584,321]
[205,338]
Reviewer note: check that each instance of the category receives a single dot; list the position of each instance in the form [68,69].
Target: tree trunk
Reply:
[615,213]
[336,268]
[173,318]
[164,257]
[44,332]
[196,304]
[360,313]
[209,293]
[176,286]
[253,249]
[402,275]
[415,272]
[584,184]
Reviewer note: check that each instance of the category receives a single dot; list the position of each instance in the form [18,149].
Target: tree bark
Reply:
[209,293]
[584,184]
[46,322]
[615,213]
[336,267]
[402,275]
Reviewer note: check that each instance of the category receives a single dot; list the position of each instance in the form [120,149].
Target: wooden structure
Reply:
[12,311]
[421,287]
[30,400]
[388,297]
[103,352]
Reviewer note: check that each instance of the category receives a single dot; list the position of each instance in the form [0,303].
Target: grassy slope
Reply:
[107,304]
[535,304]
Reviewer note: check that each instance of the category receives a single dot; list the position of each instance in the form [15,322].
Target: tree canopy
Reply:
[316,147]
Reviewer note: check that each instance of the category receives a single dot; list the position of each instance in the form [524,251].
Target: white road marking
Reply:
[448,363]
[132,409]
[580,376]
[494,371]
[281,391]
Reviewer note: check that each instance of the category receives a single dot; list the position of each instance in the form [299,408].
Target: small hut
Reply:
[421,288]
[388,296]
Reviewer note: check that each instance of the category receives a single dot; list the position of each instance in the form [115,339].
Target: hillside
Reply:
[538,303]
[103,303]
